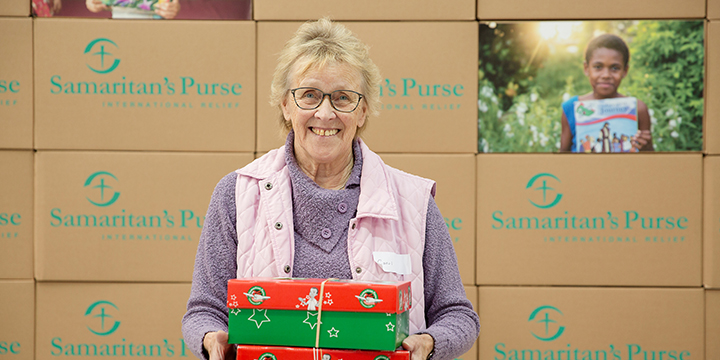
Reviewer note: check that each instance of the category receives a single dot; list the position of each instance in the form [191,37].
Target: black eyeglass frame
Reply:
[329,95]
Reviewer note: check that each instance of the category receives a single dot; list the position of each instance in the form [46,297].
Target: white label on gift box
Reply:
[392,262]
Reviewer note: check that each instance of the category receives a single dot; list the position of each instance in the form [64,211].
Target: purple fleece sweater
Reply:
[321,219]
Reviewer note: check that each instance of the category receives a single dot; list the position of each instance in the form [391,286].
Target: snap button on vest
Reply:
[268,186]
[358,270]
[278,225]
[287,269]
[353,226]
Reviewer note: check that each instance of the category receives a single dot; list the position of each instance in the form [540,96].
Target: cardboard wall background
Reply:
[712,324]
[20,8]
[123,216]
[368,10]
[16,82]
[196,82]
[16,214]
[711,224]
[712,118]
[569,9]
[17,316]
[548,219]
[144,315]
[422,57]
[612,321]
[79,296]
[713,10]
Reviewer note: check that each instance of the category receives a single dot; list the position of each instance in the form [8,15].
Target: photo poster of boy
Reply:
[531,72]
[606,125]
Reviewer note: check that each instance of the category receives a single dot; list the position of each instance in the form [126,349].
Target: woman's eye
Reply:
[309,95]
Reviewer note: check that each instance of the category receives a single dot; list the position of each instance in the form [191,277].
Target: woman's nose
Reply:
[325,110]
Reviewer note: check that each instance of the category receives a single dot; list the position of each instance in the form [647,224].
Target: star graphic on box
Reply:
[258,319]
[309,321]
[235,311]
[390,326]
[328,302]
[333,332]
[233,297]
[388,314]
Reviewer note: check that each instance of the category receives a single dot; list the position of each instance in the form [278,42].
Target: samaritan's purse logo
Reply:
[543,179]
[267,356]
[99,310]
[99,48]
[98,181]
[542,315]
[368,298]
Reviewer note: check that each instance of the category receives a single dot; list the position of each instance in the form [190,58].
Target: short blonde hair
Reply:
[322,42]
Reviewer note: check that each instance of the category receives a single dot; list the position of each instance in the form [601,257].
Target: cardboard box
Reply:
[472,293]
[713,10]
[15,8]
[337,314]
[367,10]
[712,324]
[145,85]
[597,323]
[16,87]
[95,320]
[429,94]
[711,223]
[17,316]
[16,214]
[569,9]
[455,177]
[110,216]
[603,220]
[711,137]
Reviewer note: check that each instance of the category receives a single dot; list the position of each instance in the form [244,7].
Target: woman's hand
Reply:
[95,5]
[168,9]
[216,344]
[641,139]
[419,346]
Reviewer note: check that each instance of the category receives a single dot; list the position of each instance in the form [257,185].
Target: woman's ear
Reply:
[585,68]
[285,109]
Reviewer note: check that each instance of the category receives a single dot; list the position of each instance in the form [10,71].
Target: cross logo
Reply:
[107,64]
[546,190]
[541,315]
[98,178]
[99,310]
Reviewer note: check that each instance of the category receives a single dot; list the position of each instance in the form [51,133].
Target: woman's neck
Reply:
[328,176]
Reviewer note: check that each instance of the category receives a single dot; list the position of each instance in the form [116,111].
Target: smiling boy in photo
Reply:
[606,65]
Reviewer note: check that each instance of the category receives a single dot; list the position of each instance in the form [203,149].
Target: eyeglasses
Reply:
[309,98]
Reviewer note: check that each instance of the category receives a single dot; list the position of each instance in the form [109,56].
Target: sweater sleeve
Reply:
[215,264]
[450,317]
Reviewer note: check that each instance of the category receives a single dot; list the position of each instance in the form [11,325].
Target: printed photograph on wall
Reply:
[591,86]
[145,9]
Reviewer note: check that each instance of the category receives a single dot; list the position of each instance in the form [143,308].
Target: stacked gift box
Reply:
[318,319]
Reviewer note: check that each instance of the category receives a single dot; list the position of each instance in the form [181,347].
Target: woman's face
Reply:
[324,135]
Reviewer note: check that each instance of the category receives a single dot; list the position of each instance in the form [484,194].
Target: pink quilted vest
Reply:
[391,217]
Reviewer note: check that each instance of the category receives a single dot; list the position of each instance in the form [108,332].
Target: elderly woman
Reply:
[320,206]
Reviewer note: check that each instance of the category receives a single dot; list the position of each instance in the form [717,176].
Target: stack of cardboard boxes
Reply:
[115,133]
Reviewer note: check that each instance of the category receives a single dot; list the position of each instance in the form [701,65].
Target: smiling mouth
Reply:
[322,132]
